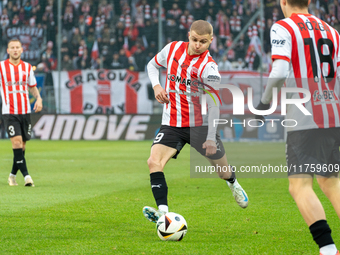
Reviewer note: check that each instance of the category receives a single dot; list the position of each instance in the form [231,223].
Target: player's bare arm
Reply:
[38,103]
[160,94]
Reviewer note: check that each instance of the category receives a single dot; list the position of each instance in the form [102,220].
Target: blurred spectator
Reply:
[81,25]
[15,21]
[14,10]
[139,19]
[252,60]
[131,64]
[90,38]
[222,26]
[22,15]
[185,23]
[84,62]
[68,21]
[49,59]
[85,8]
[155,14]
[115,63]
[65,47]
[75,42]
[49,23]
[224,64]
[240,48]
[100,20]
[150,32]
[123,58]
[171,29]
[197,11]
[28,10]
[95,64]
[82,47]
[239,65]
[119,34]
[66,64]
[235,23]
[131,33]
[4,20]
[139,57]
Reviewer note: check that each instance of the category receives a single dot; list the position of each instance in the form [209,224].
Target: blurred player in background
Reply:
[17,78]
[306,50]
[182,121]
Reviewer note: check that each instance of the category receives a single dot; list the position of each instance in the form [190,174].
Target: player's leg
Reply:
[219,161]
[159,156]
[19,132]
[167,144]
[310,207]
[301,189]
[14,166]
[229,176]
[331,188]
[19,158]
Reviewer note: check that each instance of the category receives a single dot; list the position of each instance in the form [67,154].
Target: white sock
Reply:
[27,176]
[12,175]
[329,249]
[163,208]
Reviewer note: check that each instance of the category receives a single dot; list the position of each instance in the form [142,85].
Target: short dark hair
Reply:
[298,3]
[13,40]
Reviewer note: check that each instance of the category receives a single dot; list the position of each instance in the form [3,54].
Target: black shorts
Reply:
[177,137]
[18,125]
[314,151]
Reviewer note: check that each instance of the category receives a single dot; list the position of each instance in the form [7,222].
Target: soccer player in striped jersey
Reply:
[187,64]
[17,78]
[306,51]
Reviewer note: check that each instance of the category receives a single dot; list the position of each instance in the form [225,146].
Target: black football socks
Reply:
[19,161]
[232,178]
[159,188]
[321,233]
[15,167]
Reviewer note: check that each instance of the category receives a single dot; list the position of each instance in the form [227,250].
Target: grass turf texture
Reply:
[89,197]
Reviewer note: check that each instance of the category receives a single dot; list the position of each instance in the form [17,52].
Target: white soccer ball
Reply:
[171,227]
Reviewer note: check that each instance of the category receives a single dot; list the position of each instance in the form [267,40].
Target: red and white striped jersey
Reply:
[14,83]
[312,48]
[184,108]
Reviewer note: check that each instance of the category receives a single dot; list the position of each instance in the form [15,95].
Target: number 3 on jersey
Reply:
[158,137]
[323,58]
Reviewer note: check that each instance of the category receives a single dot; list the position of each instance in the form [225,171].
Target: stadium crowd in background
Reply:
[114,34]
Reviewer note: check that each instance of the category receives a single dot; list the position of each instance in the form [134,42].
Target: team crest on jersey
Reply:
[183,66]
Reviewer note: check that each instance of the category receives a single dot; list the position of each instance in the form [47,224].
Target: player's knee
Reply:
[327,185]
[154,164]
[293,189]
[17,143]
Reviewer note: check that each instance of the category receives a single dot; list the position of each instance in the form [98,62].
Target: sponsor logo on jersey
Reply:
[326,97]
[278,42]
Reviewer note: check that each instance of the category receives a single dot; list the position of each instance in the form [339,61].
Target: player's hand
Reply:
[38,105]
[261,106]
[160,94]
[210,147]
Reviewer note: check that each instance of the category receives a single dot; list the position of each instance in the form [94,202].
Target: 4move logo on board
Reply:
[94,127]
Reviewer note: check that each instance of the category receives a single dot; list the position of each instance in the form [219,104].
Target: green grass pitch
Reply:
[89,197]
